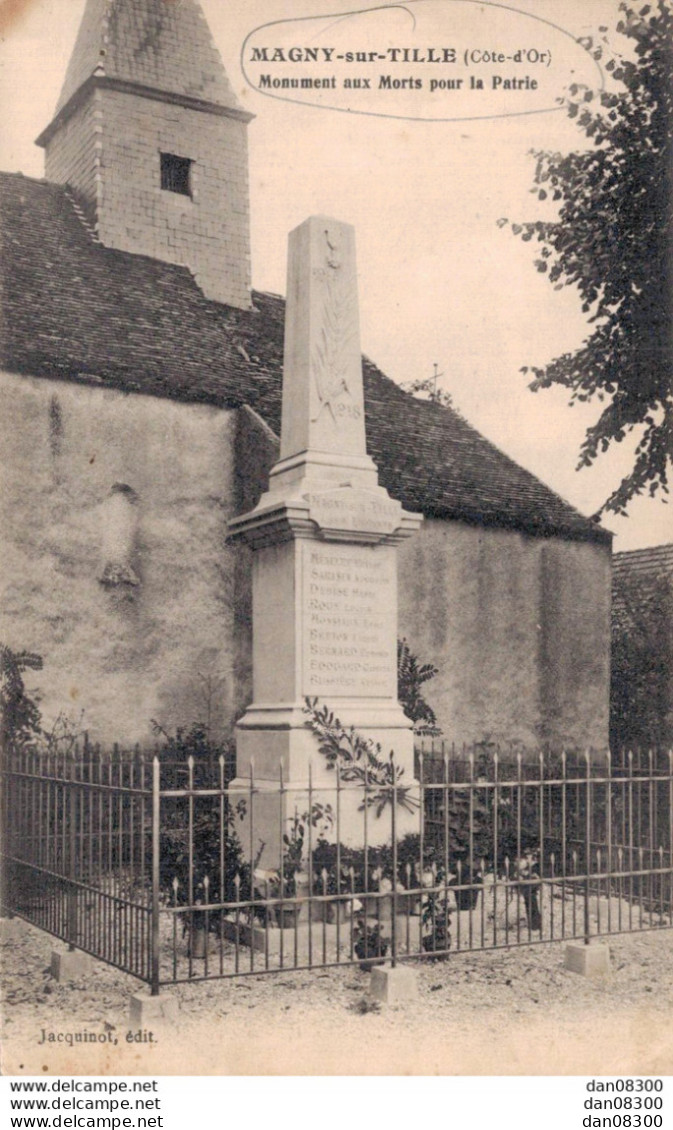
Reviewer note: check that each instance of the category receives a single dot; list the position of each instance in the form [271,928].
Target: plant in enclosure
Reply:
[436,919]
[491,817]
[339,869]
[202,861]
[285,881]
[370,943]
[529,887]
[193,742]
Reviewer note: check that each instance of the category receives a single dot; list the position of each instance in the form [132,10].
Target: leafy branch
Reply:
[411,675]
[359,760]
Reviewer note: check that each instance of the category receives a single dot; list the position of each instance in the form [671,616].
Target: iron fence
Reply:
[77,847]
[175,871]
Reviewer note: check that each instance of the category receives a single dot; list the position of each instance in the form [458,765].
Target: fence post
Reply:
[608,835]
[393,833]
[8,805]
[72,863]
[587,861]
[670,831]
[156,847]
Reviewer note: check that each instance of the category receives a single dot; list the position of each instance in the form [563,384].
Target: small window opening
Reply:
[176,174]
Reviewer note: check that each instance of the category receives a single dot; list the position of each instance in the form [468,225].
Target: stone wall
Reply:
[110,152]
[257,449]
[115,569]
[519,628]
[114,565]
[73,157]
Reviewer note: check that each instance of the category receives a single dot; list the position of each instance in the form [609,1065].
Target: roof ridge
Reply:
[646,550]
[16,174]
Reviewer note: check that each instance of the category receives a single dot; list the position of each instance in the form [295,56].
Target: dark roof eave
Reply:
[119,382]
[598,534]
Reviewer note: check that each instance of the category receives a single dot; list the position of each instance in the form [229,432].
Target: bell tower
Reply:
[151,139]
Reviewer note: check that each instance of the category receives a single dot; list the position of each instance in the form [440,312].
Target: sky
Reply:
[439,281]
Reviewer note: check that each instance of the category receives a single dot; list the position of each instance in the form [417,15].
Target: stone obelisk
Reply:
[324,541]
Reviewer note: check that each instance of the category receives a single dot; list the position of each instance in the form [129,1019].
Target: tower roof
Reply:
[163,45]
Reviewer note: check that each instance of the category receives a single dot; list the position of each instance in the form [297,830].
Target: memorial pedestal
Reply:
[324,628]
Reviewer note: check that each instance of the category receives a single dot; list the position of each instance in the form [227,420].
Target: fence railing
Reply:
[173,871]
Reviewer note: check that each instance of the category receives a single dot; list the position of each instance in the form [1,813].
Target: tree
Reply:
[613,242]
[427,387]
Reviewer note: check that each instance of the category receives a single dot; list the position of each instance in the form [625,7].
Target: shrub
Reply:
[220,872]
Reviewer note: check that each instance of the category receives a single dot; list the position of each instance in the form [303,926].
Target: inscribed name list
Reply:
[349,645]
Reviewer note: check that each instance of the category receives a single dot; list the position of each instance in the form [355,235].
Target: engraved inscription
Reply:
[355,510]
[349,617]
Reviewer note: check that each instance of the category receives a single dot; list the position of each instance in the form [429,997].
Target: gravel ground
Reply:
[503,1012]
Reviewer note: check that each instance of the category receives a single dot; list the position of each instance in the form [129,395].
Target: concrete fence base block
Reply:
[69,965]
[394,986]
[147,1010]
[589,961]
[10,929]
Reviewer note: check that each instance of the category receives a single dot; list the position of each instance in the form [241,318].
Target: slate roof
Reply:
[637,576]
[655,561]
[74,310]
[163,46]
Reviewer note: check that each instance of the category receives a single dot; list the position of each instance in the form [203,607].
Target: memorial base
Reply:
[283,776]
[275,941]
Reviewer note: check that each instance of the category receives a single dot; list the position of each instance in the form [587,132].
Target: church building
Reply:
[140,380]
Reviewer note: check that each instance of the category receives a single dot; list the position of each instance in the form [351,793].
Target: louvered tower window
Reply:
[176,174]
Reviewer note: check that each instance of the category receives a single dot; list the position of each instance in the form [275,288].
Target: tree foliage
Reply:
[427,389]
[613,242]
[20,719]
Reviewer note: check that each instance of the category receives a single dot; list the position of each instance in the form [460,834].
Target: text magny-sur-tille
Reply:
[446,55]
